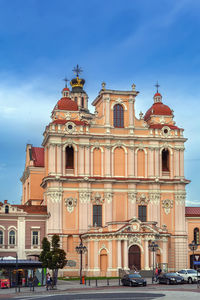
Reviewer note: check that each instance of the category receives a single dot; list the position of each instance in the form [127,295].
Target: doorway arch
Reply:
[103,262]
[134,257]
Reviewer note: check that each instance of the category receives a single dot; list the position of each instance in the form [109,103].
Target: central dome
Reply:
[158,109]
[67,104]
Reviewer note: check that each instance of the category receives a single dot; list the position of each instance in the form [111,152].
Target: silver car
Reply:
[189,275]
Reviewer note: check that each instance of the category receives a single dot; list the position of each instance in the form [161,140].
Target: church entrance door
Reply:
[134,258]
[103,262]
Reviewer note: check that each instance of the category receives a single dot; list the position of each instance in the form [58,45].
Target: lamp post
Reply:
[153,247]
[193,246]
[80,249]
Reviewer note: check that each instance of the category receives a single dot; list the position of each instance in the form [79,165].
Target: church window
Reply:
[1,237]
[196,235]
[118,116]
[35,238]
[12,237]
[69,158]
[142,213]
[82,102]
[97,215]
[165,160]
[6,209]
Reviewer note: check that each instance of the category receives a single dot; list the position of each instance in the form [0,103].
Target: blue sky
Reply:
[119,42]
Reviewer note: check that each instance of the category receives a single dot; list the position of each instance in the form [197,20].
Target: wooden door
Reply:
[103,262]
[134,258]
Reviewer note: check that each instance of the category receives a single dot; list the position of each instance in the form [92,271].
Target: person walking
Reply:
[48,281]
[156,273]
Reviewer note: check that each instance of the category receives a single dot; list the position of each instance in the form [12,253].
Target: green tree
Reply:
[52,256]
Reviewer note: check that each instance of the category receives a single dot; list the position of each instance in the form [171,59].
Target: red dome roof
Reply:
[66,89]
[67,104]
[157,94]
[158,109]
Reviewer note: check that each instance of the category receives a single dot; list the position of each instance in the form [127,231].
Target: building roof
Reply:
[158,109]
[192,211]
[38,156]
[77,122]
[160,126]
[66,103]
[33,209]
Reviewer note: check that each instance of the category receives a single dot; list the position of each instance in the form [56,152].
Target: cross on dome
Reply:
[157,86]
[66,80]
[77,70]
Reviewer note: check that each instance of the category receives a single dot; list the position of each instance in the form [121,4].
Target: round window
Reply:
[69,126]
[165,131]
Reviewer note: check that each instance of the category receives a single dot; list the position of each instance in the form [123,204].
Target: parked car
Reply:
[133,280]
[189,275]
[170,278]
[4,282]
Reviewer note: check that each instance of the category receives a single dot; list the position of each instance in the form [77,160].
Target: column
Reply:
[119,255]
[81,160]
[51,159]
[107,112]
[126,255]
[182,162]
[171,165]
[164,252]
[131,162]
[59,159]
[21,238]
[146,253]
[151,162]
[110,266]
[107,161]
[157,162]
[87,160]
[96,256]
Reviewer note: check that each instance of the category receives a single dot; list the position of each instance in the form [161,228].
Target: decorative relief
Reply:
[132,197]
[108,197]
[55,196]
[96,145]
[167,205]
[165,131]
[142,199]
[154,198]
[97,199]
[180,198]
[84,197]
[68,116]
[70,127]
[70,204]
[134,240]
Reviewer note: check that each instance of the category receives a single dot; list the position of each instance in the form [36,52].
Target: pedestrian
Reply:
[48,281]
[156,273]
[159,271]
[30,282]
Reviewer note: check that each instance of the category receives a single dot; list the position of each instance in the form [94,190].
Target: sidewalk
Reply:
[73,286]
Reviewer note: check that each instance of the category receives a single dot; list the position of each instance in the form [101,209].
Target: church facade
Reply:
[111,180]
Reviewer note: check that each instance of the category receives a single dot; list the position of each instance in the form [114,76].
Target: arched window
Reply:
[69,157]
[165,160]
[118,116]
[82,102]
[6,209]
[12,237]
[1,237]
[196,235]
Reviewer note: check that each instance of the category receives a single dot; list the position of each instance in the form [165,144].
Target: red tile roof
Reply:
[67,104]
[38,156]
[33,209]
[157,94]
[160,126]
[158,109]
[192,211]
[66,121]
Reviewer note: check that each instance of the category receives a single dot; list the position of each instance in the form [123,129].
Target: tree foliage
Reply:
[52,256]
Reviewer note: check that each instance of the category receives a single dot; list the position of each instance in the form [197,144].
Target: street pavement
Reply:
[75,290]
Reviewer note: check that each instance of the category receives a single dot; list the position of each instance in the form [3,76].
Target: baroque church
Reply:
[112,181]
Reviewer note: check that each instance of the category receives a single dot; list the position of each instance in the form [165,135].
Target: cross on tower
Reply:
[157,86]
[65,79]
[77,70]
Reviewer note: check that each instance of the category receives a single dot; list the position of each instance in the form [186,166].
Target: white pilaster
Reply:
[119,254]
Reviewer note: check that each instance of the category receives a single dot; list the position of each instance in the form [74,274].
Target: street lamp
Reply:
[153,247]
[81,250]
[193,246]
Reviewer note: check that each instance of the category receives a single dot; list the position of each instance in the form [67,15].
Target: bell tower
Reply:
[77,92]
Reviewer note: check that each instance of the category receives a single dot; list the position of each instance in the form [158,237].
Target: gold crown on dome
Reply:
[77,82]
